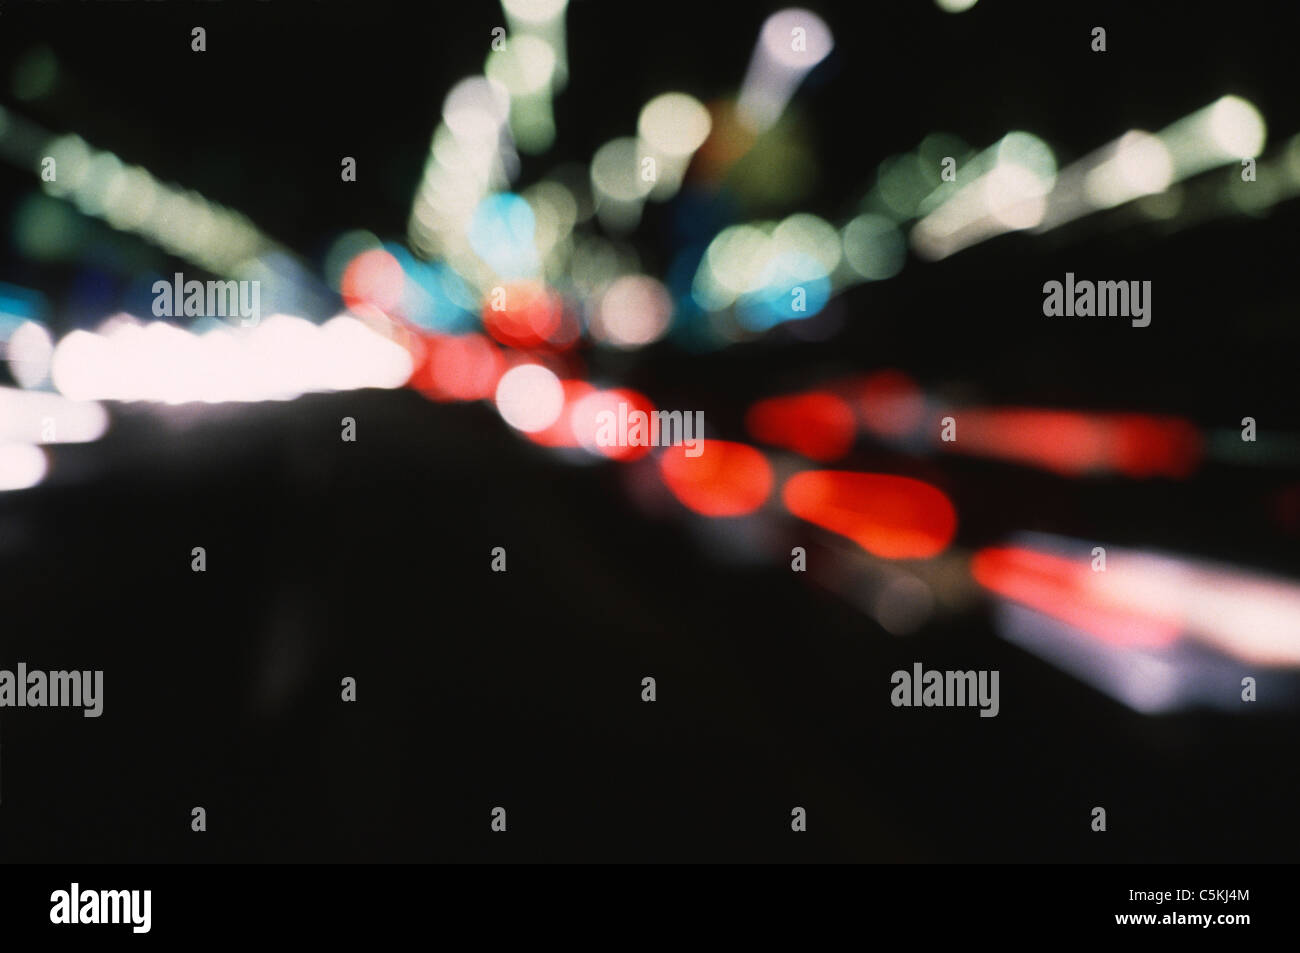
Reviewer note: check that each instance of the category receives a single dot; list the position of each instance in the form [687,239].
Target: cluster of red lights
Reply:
[889,516]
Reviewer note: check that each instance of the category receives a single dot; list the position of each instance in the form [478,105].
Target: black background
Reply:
[371,559]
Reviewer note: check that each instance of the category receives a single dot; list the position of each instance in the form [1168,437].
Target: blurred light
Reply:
[1010,192]
[535,11]
[461,367]
[48,230]
[1253,617]
[772,273]
[618,184]
[726,479]
[575,178]
[437,298]
[104,178]
[889,516]
[633,312]
[903,183]
[1149,599]
[474,111]
[1224,133]
[343,250]
[585,417]
[374,278]
[21,466]
[1162,206]
[555,211]
[1073,443]
[674,124]
[19,305]
[597,261]
[531,316]
[903,604]
[132,200]
[561,433]
[936,147]
[1236,128]
[279,359]
[129,198]
[529,397]
[30,350]
[790,44]
[71,158]
[793,285]
[671,128]
[817,424]
[81,368]
[1067,589]
[350,355]
[808,235]
[1140,166]
[890,403]
[730,266]
[1135,165]
[502,233]
[470,155]
[955,6]
[543,19]
[1016,196]
[526,69]
[36,418]
[873,247]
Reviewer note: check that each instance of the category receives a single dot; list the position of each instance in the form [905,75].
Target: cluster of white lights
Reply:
[281,358]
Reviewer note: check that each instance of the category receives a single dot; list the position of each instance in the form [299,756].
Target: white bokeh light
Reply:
[529,397]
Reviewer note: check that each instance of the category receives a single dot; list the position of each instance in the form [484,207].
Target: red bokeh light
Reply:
[586,412]
[531,316]
[373,278]
[1068,590]
[893,517]
[890,402]
[561,433]
[1073,443]
[817,425]
[459,367]
[726,479]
